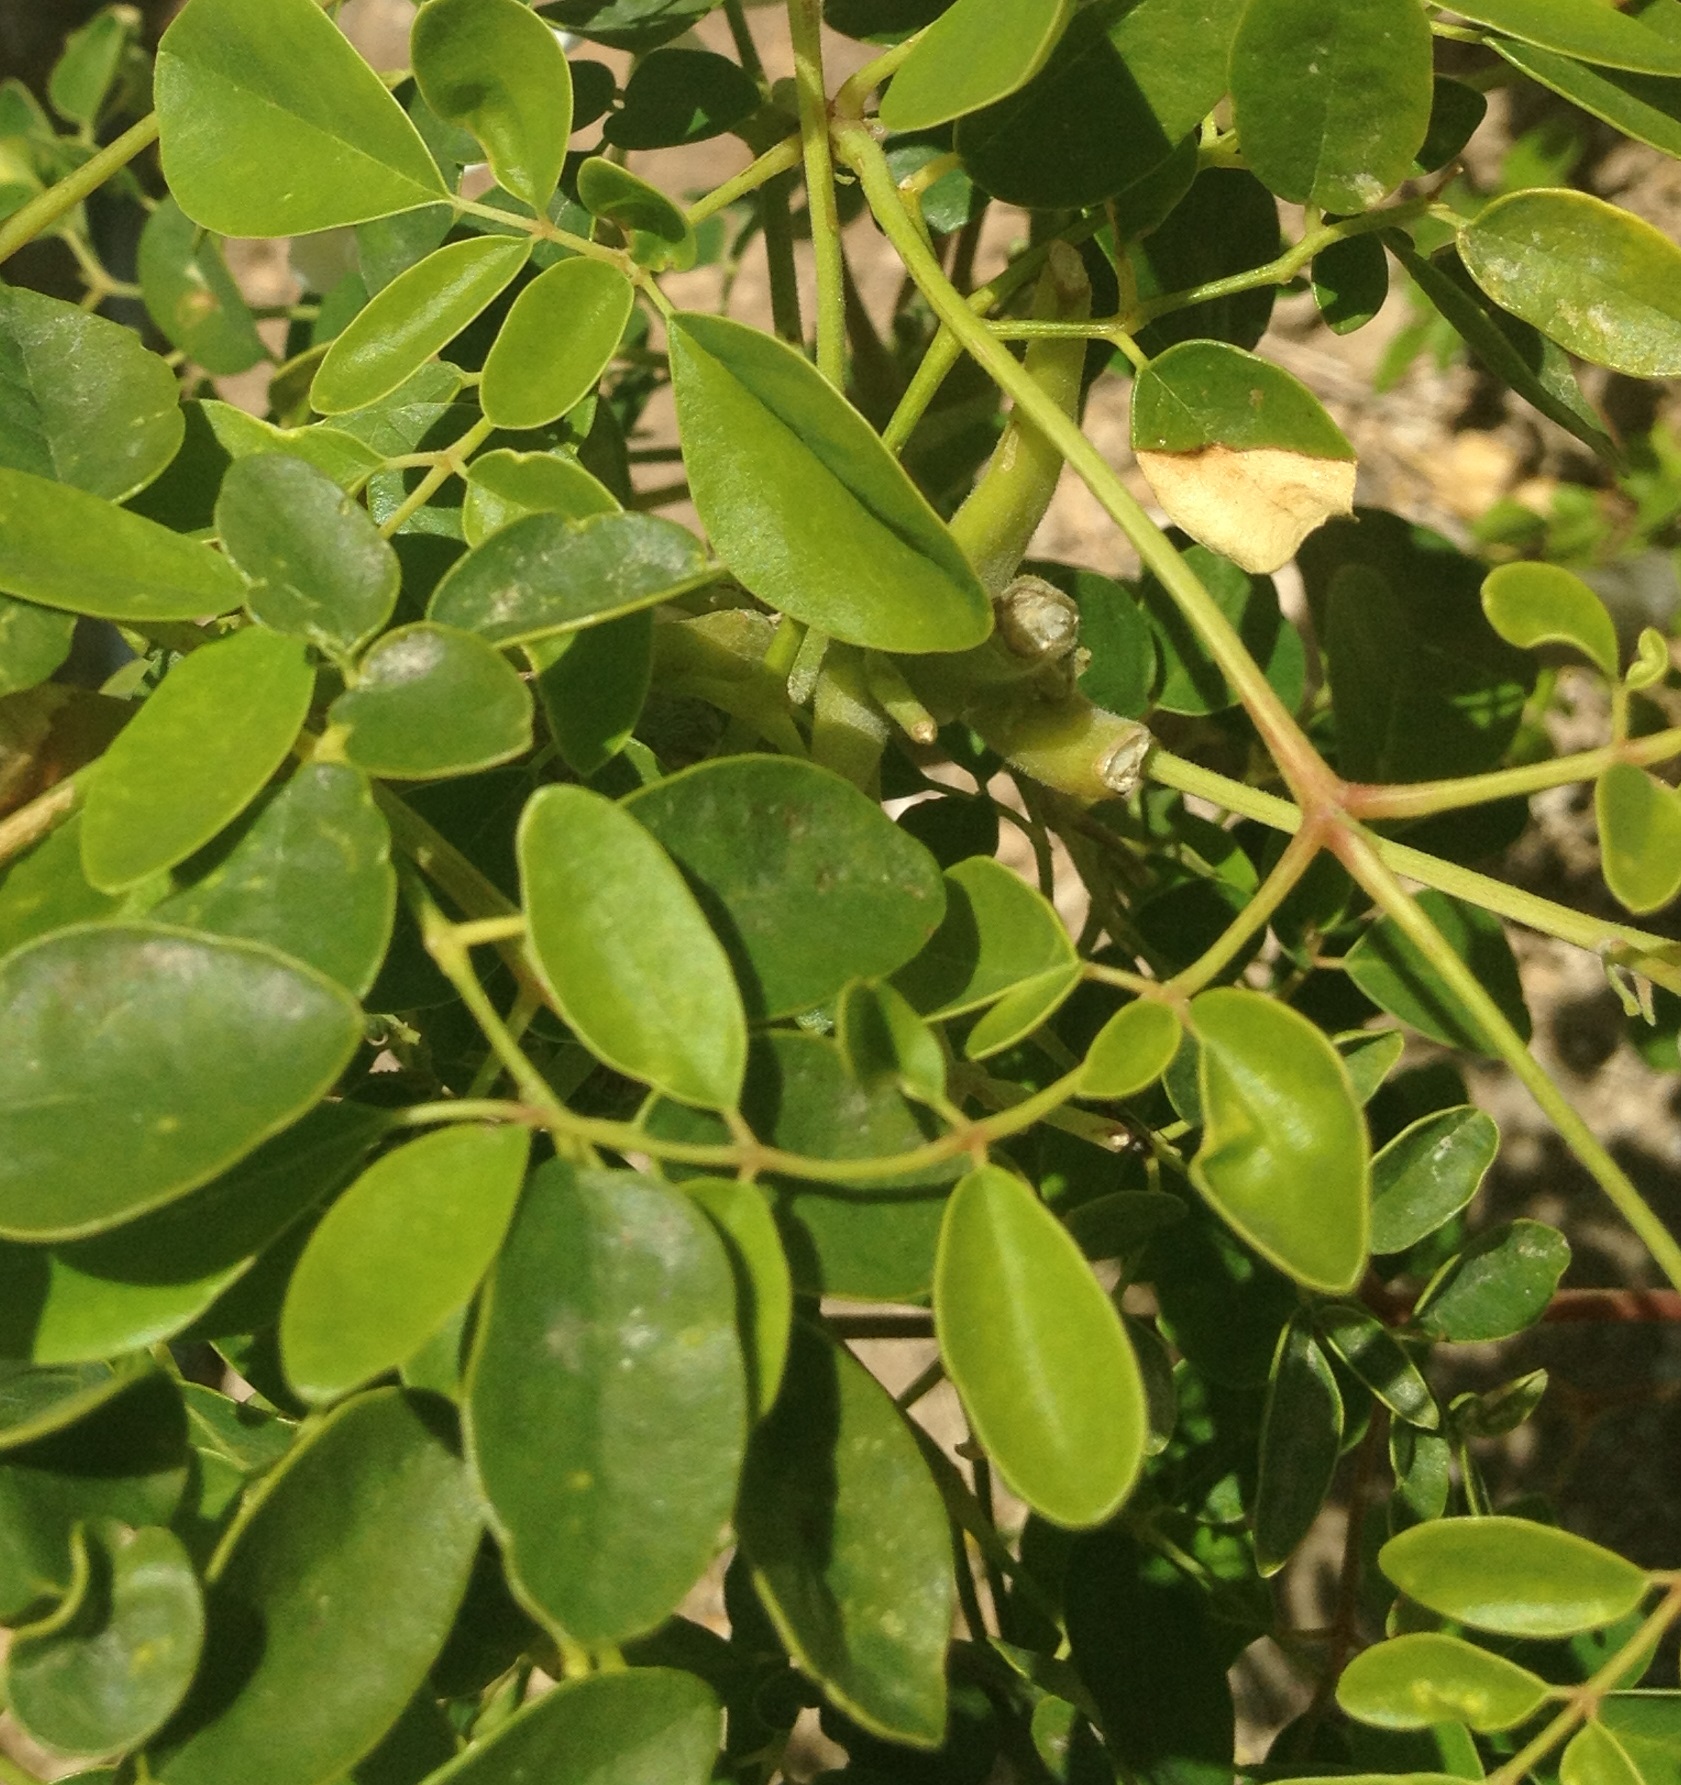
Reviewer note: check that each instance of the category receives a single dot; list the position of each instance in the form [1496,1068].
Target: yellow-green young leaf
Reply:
[1020,1011]
[1639,820]
[399,1252]
[1425,1678]
[270,124]
[1647,1726]
[494,68]
[1132,1050]
[1599,281]
[658,232]
[1037,1351]
[505,486]
[1540,604]
[832,1471]
[997,933]
[1594,1756]
[806,505]
[607,1400]
[643,1724]
[1512,1576]
[1651,660]
[142,1061]
[557,341]
[190,294]
[82,77]
[621,942]
[1284,1157]
[85,404]
[112,1674]
[547,573]
[764,1286]
[1585,29]
[1332,96]
[335,1588]
[1301,1438]
[976,53]
[1239,453]
[64,548]
[816,885]
[417,315]
[159,793]
[431,701]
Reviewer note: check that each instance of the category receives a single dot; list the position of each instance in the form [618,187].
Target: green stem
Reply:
[43,211]
[1360,857]
[780,159]
[1298,856]
[805,21]
[544,230]
[452,462]
[1585,1700]
[1653,955]
[1417,799]
[1296,757]
[462,1109]
[1280,270]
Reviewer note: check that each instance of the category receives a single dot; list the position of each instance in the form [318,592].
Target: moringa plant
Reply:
[495,975]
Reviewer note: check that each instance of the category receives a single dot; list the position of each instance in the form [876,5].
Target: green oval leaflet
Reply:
[416,316]
[190,294]
[307,870]
[494,68]
[1380,1361]
[87,405]
[505,486]
[997,933]
[1639,819]
[782,467]
[1428,1173]
[399,1252]
[433,701]
[34,641]
[1284,1157]
[1535,604]
[764,1286]
[646,1723]
[271,85]
[583,863]
[1301,1438]
[551,573]
[102,1120]
[809,881]
[1206,393]
[1598,280]
[678,96]
[1497,1285]
[657,232]
[884,1040]
[1594,1756]
[1644,106]
[157,798]
[593,685]
[67,549]
[1578,28]
[868,1621]
[315,561]
[1426,1677]
[975,54]
[372,1505]
[114,1673]
[35,1402]
[1332,96]
[1513,1577]
[1037,1351]
[557,341]
[610,1326]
